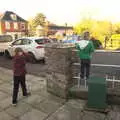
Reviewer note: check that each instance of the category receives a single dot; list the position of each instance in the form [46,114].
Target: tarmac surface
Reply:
[36,69]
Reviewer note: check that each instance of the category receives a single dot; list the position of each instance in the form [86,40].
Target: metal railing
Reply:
[109,79]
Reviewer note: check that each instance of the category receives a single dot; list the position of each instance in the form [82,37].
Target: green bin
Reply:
[97,92]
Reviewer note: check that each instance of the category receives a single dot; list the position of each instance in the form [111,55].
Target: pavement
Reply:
[42,105]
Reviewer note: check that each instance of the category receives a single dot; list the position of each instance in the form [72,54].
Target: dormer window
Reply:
[13,17]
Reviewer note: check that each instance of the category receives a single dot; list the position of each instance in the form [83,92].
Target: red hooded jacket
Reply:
[19,65]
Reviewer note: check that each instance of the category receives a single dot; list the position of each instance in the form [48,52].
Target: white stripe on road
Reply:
[101,65]
[107,51]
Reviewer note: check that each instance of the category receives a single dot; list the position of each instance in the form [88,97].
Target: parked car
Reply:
[31,45]
[72,39]
[5,40]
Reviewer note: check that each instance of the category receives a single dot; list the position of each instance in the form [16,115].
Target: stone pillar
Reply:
[59,75]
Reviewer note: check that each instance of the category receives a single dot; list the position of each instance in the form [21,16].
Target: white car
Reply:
[31,45]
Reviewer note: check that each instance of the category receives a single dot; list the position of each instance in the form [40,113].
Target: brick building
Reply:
[12,24]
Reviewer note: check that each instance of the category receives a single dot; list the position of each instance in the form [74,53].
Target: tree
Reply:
[32,29]
[98,29]
[39,19]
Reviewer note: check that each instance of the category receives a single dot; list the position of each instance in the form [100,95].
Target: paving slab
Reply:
[34,88]
[77,104]
[5,103]
[1,81]
[33,115]
[47,106]
[34,99]
[3,95]
[7,88]
[19,110]
[70,111]
[43,92]
[5,116]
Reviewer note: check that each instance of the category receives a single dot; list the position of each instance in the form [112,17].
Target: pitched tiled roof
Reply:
[7,16]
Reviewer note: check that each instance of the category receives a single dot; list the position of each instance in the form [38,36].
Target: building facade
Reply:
[12,24]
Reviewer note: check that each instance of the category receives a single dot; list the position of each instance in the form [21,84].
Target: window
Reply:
[7,25]
[23,26]
[42,41]
[26,42]
[15,25]
[39,41]
[18,42]
[13,17]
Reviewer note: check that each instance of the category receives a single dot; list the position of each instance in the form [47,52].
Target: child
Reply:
[19,72]
[85,49]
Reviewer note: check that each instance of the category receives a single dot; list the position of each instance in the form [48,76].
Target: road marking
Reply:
[106,51]
[101,65]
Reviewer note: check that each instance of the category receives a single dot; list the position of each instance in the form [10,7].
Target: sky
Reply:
[65,11]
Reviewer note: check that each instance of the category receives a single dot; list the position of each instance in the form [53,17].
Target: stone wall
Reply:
[60,59]
[59,77]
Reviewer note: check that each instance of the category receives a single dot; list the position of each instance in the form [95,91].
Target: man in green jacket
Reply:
[85,49]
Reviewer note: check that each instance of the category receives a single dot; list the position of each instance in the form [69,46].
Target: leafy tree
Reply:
[98,29]
[39,19]
[32,29]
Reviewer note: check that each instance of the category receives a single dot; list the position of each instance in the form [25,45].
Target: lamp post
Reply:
[65,28]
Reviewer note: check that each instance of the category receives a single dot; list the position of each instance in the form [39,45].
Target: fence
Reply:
[110,71]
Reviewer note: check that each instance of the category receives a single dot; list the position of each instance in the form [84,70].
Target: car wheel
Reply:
[7,54]
[32,58]
[43,60]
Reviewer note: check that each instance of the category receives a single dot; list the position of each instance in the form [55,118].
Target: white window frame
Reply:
[7,25]
[15,25]
[13,17]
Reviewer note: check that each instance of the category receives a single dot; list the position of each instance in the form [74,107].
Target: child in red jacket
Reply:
[19,71]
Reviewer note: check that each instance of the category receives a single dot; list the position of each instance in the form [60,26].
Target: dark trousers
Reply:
[19,80]
[85,68]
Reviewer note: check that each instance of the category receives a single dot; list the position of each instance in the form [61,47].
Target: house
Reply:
[54,31]
[12,24]
[64,30]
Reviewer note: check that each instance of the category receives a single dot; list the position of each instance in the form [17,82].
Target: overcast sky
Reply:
[62,11]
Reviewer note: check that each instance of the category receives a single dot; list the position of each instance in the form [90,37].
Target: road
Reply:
[104,58]
[35,69]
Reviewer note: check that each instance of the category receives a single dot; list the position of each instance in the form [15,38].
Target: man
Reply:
[85,49]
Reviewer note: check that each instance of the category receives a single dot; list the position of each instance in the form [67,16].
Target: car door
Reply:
[26,45]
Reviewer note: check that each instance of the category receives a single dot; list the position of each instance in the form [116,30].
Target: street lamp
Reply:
[65,28]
